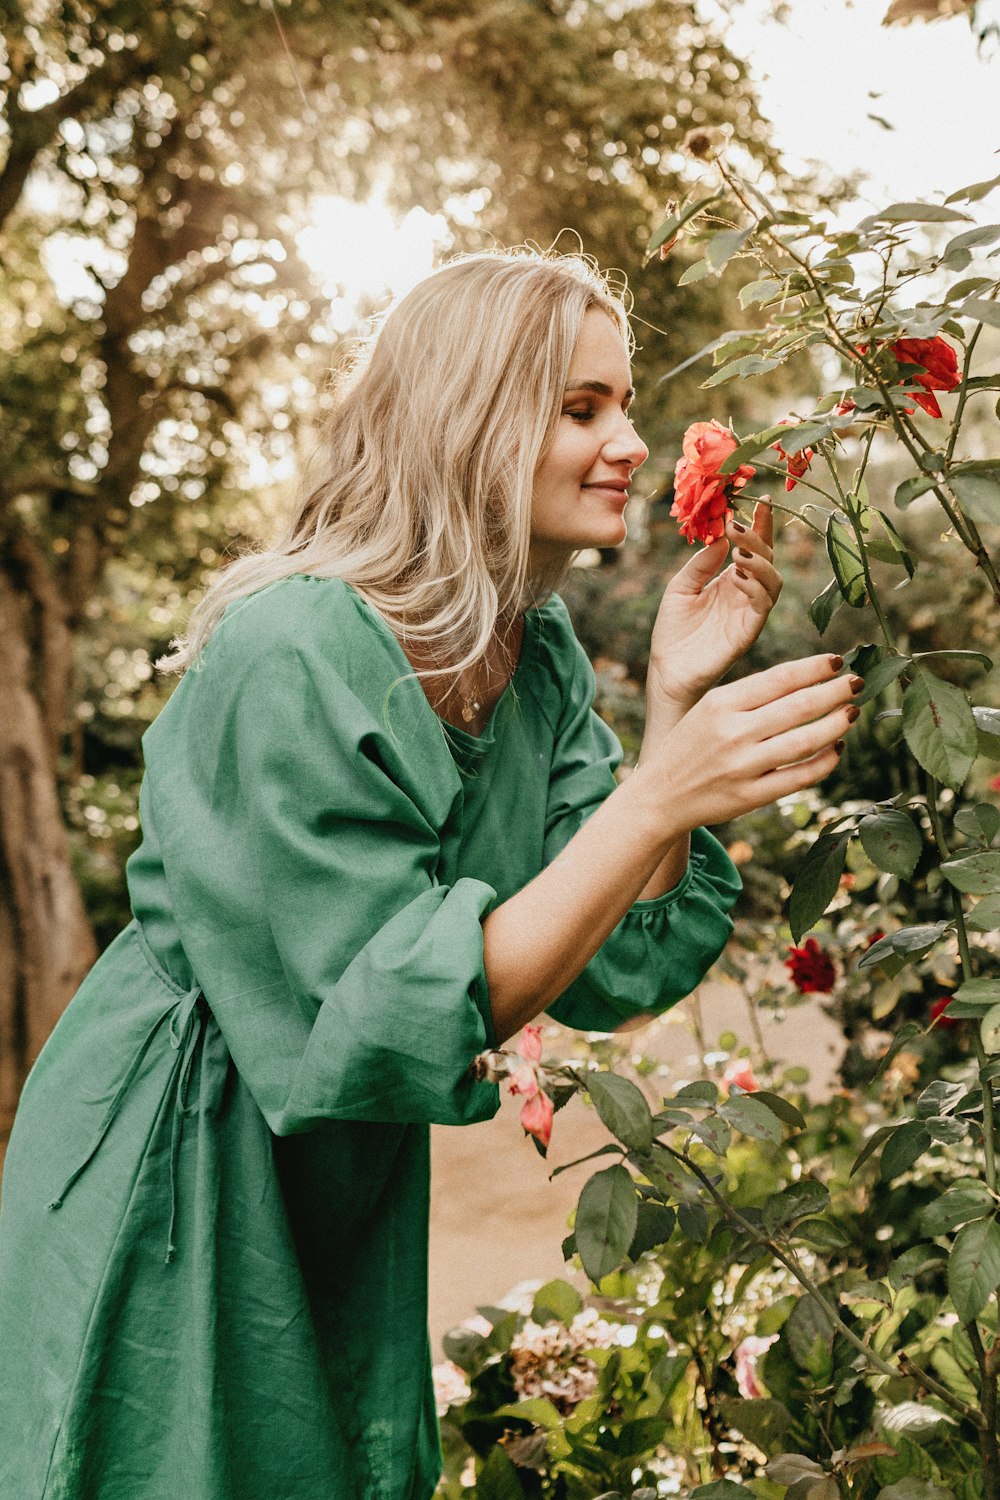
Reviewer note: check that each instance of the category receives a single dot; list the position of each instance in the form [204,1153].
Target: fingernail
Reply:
[839,747]
[853,713]
[836,662]
[742,552]
[857,683]
[738,527]
[740,573]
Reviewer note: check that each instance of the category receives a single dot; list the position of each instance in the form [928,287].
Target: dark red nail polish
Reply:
[740,573]
[738,527]
[839,747]
[857,683]
[742,552]
[836,662]
[853,713]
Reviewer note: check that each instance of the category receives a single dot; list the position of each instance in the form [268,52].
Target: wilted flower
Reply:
[537,1111]
[797,463]
[747,1354]
[536,1117]
[704,141]
[811,970]
[702,495]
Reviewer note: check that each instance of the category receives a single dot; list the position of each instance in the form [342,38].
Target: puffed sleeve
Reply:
[346,978]
[661,949]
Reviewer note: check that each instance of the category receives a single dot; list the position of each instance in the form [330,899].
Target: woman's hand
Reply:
[749,742]
[708,619]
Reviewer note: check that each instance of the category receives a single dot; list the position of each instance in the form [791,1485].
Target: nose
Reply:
[624,445]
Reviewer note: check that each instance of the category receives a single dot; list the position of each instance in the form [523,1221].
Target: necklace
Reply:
[470,707]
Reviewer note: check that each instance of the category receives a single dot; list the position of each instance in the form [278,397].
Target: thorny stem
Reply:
[827,1307]
[870,589]
[989,1118]
[965,530]
[988,1445]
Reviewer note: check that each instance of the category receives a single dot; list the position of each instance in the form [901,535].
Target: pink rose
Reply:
[739,1075]
[536,1117]
[530,1044]
[747,1354]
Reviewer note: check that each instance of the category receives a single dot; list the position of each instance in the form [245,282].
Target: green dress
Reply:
[213,1238]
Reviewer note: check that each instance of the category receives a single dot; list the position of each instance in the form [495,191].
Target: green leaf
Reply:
[822,1233]
[874,1141]
[537,1410]
[789,1468]
[606,1220]
[908,491]
[675,222]
[692,1220]
[816,882]
[906,1144]
[893,549]
[891,840]
[724,245]
[989,1030]
[974,1267]
[988,731]
[760,291]
[981,310]
[557,1297]
[976,874]
[984,234]
[654,1227]
[696,272]
[913,213]
[910,941]
[702,1092]
[746,1114]
[914,1488]
[623,1109]
[985,915]
[978,493]
[763,1421]
[979,992]
[611,1149]
[782,1108]
[979,822]
[465,1348]
[878,677]
[638,1436]
[974,192]
[978,657]
[497,1479]
[720,1489]
[939,727]
[825,605]
[748,364]
[958,1205]
[750,447]
[848,568]
[794,1202]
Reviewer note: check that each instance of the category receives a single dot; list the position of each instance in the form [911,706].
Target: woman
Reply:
[381,833]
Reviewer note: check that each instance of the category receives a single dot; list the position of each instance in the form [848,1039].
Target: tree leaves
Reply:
[848,569]
[816,882]
[747,1114]
[891,841]
[939,727]
[974,1267]
[606,1221]
[623,1108]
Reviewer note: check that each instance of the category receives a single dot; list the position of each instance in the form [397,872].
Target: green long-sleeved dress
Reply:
[213,1234]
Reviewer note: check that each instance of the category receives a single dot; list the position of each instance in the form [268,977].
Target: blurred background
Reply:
[201,206]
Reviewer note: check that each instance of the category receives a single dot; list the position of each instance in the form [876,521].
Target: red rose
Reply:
[937,1012]
[797,463]
[811,970]
[701,494]
[939,363]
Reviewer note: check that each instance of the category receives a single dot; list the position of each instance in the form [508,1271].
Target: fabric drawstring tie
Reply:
[186,1025]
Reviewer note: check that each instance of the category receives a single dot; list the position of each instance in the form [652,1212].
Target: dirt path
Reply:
[496,1219]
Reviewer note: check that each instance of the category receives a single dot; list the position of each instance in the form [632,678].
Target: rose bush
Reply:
[859,1237]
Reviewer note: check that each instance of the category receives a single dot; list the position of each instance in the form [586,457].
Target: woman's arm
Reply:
[740,747]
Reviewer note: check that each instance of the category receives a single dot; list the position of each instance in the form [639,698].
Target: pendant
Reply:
[470,708]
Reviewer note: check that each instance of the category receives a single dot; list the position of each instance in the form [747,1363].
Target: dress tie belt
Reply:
[188,1026]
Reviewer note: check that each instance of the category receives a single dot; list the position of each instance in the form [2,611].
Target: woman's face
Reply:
[581,485]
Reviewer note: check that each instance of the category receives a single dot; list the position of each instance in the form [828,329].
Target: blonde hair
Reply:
[420,497]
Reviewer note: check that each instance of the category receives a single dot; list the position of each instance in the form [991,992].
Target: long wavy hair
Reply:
[420,496]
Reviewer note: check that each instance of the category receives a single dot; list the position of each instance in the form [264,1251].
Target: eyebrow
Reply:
[598,387]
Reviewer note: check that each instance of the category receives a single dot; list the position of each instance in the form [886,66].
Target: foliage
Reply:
[861,1235]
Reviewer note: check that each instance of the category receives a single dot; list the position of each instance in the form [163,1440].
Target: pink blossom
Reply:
[536,1117]
[524,1081]
[530,1044]
[747,1354]
[739,1075]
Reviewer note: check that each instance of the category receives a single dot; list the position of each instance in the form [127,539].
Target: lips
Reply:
[609,486]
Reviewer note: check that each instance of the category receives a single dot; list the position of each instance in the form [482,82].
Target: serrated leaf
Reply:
[978,494]
[654,1226]
[696,272]
[974,191]
[746,1114]
[879,677]
[979,822]
[891,841]
[606,1220]
[816,882]
[794,1202]
[974,1267]
[983,234]
[822,1233]
[848,568]
[980,992]
[746,365]
[981,310]
[905,1145]
[914,213]
[789,1468]
[893,549]
[910,941]
[692,1220]
[785,1111]
[939,728]
[724,245]
[760,291]
[985,915]
[975,874]
[989,1030]
[702,1092]
[623,1109]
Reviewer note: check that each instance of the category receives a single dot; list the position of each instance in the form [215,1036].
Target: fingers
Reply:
[795,778]
[763,521]
[804,741]
[777,682]
[801,707]
[752,558]
[700,568]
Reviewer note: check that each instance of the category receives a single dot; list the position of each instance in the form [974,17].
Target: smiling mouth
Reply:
[619,490]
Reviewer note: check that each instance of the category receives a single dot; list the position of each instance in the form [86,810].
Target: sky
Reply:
[817,76]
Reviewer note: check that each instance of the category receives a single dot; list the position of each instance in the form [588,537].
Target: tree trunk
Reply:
[46,942]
